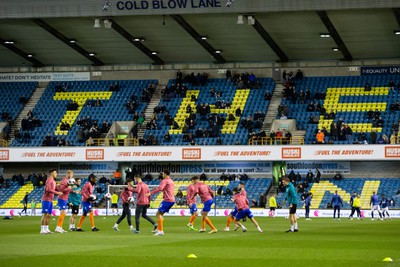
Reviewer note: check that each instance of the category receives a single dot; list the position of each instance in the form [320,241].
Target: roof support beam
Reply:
[66,41]
[268,39]
[396,12]
[138,45]
[335,35]
[197,37]
[16,50]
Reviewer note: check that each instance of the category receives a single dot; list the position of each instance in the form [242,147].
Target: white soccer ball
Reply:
[131,200]
[71,181]
[93,197]
[107,196]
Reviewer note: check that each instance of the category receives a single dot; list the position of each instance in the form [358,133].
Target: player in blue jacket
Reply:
[336,203]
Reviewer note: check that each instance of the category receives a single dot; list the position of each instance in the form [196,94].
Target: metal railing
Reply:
[112,142]
[276,141]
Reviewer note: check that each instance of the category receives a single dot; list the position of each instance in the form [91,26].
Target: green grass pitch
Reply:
[320,242]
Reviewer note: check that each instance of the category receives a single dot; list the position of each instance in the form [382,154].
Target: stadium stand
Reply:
[52,107]
[232,131]
[14,95]
[350,102]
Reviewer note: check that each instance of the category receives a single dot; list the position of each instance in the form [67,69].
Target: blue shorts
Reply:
[244,213]
[87,207]
[207,205]
[47,207]
[165,206]
[62,204]
[193,209]
[234,212]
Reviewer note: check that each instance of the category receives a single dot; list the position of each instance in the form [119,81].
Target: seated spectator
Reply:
[338,177]
[367,87]
[179,198]
[220,190]
[228,192]
[203,177]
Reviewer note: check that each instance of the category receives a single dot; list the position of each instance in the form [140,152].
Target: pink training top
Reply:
[49,190]
[87,190]
[142,190]
[204,191]
[191,194]
[241,202]
[243,192]
[126,193]
[64,188]
[167,187]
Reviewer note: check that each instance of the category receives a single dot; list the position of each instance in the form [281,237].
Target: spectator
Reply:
[338,177]
[320,137]
[179,198]
[263,200]
[117,178]
[310,176]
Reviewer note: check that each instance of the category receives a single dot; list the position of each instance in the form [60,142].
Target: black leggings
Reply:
[142,210]
[126,212]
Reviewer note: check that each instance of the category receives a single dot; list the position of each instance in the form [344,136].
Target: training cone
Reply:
[192,256]
[387,259]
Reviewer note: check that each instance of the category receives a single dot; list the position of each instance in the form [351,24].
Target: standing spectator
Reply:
[263,200]
[310,177]
[317,175]
[117,177]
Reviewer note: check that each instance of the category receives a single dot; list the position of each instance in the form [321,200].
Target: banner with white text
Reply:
[45,77]
[218,154]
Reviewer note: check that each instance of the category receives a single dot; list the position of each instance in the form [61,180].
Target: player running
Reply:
[167,187]
[47,201]
[87,199]
[207,198]
[191,202]
[242,205]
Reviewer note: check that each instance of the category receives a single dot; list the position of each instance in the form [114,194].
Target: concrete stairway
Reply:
[272,108]
[148,112]
[37,94]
